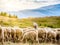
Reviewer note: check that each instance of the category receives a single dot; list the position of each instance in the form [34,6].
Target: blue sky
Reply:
[25,8]
[51,10]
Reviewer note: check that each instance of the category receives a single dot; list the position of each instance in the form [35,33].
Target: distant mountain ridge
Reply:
[51,10]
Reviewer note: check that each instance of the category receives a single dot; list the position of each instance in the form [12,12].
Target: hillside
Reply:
[9,20]
[52,21]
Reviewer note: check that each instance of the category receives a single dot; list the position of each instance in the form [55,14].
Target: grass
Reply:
[11,43]
[9,20]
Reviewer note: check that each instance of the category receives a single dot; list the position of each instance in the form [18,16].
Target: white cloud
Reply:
[16,5]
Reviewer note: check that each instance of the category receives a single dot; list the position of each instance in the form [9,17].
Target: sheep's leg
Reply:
[10,37]
[15,37]
[37,37]
[2,38]
[45,37]
[55,40]
[6,38]
[26,40]
[22,37]
[38,42]
[2,41]
[51,40]
[59,39]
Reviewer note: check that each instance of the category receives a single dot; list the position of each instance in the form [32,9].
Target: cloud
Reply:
[17,5]
[40,0]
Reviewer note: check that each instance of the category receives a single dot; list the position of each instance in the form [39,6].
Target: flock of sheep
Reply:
[16,34]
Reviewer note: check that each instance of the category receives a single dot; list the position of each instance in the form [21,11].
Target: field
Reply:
[9,20]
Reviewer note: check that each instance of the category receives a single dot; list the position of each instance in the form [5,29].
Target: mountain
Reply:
[51,10]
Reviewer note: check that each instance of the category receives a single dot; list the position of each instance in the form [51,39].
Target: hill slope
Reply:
[52,21]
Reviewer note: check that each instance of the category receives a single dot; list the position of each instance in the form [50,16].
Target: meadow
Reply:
[12,20]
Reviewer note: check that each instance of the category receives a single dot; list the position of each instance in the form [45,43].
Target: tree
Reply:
[3,14]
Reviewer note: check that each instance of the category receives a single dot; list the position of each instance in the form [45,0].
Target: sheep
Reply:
[28,29]
[31,34]
[8,29]
[13,34]
[51,35]
[35,25]
[3,34]
[58,35]
[17,33]
[47,34]
[26,34]
[41,34]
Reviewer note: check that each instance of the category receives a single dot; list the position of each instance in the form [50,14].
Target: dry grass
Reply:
[10,43]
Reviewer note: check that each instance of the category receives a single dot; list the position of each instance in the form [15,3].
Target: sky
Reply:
[19,5]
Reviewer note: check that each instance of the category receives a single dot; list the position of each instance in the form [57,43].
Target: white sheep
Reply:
[31,34]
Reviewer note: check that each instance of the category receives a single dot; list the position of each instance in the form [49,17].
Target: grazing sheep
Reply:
[8,29]
[13,34]
[19,33]
[51,35]
[41,34]
[30,35]
[3,34]
[58,35]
